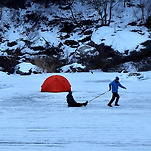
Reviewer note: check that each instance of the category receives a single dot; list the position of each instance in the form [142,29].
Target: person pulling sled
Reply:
[114,87]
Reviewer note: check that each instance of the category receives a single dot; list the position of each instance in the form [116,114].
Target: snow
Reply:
[51,36]
[13,35]
[25,67]
[73,65]
[119,39]
[36,121]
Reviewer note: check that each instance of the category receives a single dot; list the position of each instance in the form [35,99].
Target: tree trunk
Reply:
[142,9]
[110,12]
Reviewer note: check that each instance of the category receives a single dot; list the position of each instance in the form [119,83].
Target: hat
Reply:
[70,92]
[117,78]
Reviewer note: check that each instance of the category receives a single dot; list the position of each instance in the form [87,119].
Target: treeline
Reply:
[16,4]
[141,8]
[22,3]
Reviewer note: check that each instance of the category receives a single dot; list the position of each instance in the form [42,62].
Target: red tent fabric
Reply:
[56,83]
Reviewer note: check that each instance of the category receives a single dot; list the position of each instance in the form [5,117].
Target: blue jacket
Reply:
[114,85]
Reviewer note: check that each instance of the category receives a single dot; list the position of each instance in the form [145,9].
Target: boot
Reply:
[109,105]
[85,103]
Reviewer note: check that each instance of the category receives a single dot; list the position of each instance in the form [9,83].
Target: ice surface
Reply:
[34,121]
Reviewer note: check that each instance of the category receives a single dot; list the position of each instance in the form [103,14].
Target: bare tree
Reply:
[143,6]
[0,11]
[69,6]
[104,8]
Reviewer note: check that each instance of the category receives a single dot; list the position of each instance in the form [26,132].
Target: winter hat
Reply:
[117,78]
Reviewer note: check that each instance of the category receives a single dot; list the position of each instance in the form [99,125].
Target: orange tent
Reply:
[56,83]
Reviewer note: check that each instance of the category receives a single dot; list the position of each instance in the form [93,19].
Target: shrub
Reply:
[48,64]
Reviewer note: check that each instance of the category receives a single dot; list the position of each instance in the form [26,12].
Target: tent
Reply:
[56,83]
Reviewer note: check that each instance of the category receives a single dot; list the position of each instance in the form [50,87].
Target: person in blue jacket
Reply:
[114,86]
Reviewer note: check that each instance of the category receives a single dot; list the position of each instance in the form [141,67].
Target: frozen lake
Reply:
[35,121]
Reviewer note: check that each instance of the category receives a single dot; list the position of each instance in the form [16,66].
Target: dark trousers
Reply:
[115,95]
[75,105]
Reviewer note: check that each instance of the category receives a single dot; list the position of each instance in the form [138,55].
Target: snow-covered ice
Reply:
[34,121]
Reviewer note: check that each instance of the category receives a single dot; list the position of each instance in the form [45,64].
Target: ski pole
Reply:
[98,96]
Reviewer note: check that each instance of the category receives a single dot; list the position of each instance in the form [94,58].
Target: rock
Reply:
[88,32]
[67,27]
[148,22]
[8,64]
[134,74]
[88,38]
[74,67]
[37,48]
[11,44]
[71,43]
[27,69]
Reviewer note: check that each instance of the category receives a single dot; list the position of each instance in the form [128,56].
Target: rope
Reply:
[98,96]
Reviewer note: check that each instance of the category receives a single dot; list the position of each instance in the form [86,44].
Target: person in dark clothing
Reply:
[114,86]
[72,103]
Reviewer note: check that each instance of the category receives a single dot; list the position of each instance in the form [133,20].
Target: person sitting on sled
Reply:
[114,86]
[72,103]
